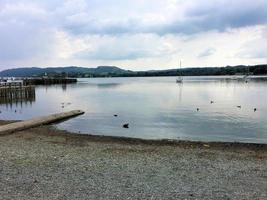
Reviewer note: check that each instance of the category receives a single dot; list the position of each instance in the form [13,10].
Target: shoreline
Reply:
[50,130]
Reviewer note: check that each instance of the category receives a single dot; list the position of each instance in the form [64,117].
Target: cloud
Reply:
[255,48]
[223,14]
[207,52]
[126,47]
[24,32]
[185,17]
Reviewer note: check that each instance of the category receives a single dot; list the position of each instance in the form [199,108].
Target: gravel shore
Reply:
[45,163]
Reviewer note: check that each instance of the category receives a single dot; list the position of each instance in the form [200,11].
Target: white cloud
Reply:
[126,47]
[24,33]
[256,48]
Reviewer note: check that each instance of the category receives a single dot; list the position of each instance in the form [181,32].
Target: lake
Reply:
[156,108]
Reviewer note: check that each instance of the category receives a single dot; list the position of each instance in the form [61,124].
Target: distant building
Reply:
[11,81]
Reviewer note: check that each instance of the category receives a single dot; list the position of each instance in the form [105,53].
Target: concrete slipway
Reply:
[19,126]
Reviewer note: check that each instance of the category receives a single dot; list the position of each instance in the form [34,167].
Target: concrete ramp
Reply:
[19,126]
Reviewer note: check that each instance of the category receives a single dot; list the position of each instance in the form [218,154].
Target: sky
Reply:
[132,34]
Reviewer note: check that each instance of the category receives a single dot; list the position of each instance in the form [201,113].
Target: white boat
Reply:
[180,78]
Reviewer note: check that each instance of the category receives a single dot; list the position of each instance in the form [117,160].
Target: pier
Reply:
[16,92]
[49,81]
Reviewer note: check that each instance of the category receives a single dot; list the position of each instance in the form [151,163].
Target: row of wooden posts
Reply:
[15,92]
[18,91]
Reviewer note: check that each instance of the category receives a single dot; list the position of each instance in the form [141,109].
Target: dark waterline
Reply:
[156,108]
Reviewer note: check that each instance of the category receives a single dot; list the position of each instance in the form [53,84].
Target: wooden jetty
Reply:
[16,92]
[49,81]
[23,125]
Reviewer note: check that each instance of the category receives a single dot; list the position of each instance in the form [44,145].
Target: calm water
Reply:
[156,108]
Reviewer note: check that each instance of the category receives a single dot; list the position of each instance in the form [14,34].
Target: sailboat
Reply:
[180,78]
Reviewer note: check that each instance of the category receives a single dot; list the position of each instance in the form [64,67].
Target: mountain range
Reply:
[103,71]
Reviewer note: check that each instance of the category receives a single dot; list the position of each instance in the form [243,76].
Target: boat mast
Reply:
[180,68]
[180,79]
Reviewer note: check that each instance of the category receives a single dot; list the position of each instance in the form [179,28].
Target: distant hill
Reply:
[71,71]
[113,71]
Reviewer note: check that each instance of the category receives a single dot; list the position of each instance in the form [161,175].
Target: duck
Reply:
[125,125]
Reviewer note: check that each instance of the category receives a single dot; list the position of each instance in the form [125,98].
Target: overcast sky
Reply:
[133,34]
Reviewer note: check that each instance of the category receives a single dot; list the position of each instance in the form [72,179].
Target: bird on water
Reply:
[125,126]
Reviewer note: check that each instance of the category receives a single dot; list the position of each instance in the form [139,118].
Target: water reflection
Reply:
[180,86]
[157,107]
[64,87]
[108,85]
